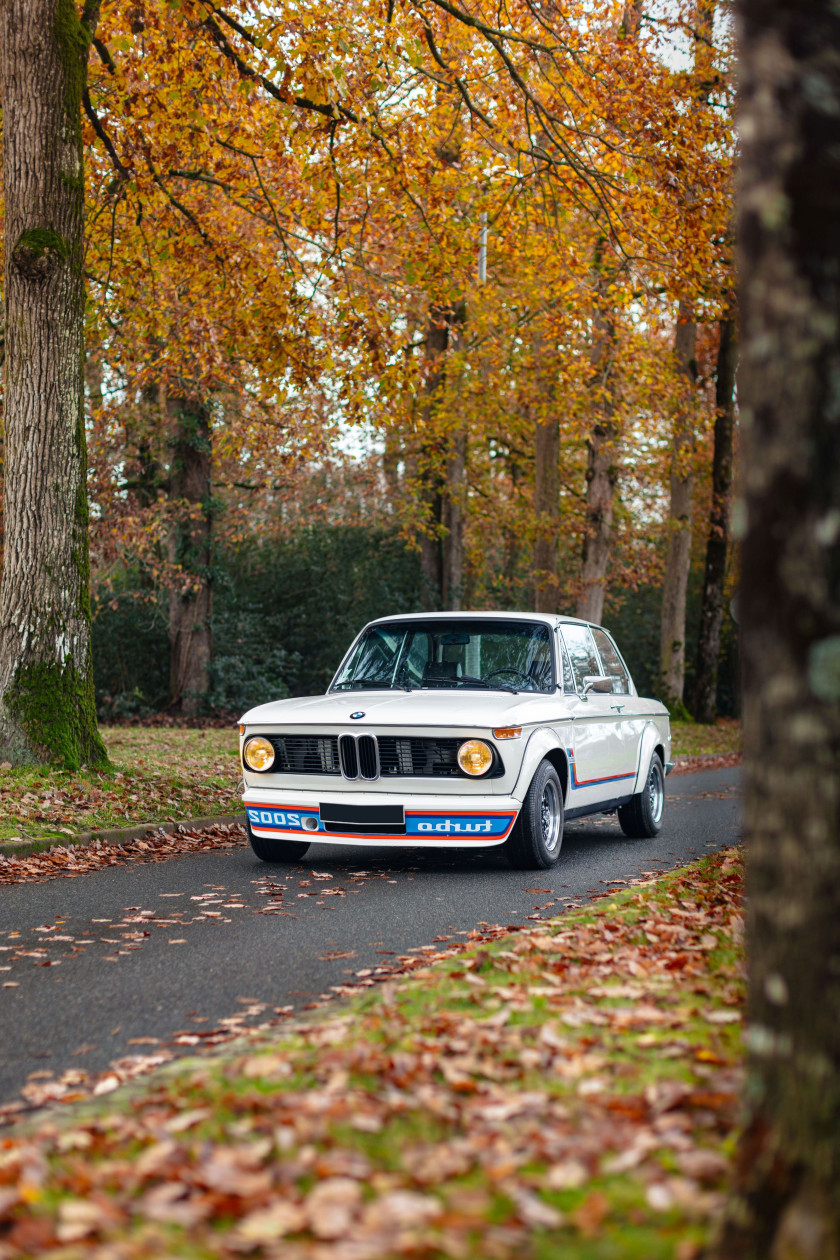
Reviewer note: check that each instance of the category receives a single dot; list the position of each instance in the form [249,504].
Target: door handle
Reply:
[618,707]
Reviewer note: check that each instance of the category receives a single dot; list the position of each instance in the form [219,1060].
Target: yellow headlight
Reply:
[475,757]
[258,753]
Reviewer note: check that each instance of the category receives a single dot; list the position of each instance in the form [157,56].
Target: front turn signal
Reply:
[507,732]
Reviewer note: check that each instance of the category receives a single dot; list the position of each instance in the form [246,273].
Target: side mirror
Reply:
[594,682]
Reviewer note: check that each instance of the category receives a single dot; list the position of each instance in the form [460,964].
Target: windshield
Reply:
[498,655]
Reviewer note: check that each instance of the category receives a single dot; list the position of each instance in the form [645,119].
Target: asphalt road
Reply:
[140,954]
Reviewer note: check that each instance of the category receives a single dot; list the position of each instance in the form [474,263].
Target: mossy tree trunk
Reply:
[786,1199]
[190,549]
[47,711]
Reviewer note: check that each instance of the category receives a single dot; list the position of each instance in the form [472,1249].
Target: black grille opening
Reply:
[304,754]
[425,757]
[349,757]
[368,758]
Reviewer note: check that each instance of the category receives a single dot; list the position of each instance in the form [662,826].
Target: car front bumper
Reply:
[438,822]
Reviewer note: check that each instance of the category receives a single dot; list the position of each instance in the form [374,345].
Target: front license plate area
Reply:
[382,820]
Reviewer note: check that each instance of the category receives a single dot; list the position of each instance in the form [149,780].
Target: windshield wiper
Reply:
[467,678]
[370,682]
[431,683]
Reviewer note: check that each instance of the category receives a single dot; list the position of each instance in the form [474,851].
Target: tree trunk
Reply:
[443,472]
[190,548]
[547,513]
[678,562]
[601,475]
[711,615]
[452,519]
[787,1180]
[47,711]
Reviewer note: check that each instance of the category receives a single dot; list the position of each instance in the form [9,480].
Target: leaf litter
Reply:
[568,1087]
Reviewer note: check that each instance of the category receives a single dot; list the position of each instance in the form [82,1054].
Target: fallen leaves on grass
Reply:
[694,740]
[158,775]
[529,1114]
[72,860]
[709,761]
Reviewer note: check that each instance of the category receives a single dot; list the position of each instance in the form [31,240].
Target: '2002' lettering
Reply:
[274,818]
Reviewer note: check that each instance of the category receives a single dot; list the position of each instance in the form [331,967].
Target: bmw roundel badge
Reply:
[357,715]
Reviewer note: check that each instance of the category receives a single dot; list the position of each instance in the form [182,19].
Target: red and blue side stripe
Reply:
[581,783]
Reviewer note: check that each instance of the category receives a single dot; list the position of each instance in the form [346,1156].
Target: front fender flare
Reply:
[542,742]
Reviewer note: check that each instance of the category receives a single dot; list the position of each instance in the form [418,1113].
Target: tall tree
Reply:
[442,467]
[704,703]
[46,684]
[787,1193]
[190,553]
[678,559]
[680,508]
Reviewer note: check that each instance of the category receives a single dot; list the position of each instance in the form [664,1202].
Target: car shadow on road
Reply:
[582,838]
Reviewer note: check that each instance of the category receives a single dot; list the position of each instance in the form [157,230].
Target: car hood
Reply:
[430,707]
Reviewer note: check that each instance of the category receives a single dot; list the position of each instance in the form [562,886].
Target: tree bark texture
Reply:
[601,474]
[787,1195]
[678,560]
[547,513]
[443,471]
[704,705]
[47,711]
[190,549]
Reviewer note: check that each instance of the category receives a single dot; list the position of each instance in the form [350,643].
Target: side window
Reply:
[582,653]
[612,662]
[565,667]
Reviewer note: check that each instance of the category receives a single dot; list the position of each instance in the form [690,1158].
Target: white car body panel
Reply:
[600,744]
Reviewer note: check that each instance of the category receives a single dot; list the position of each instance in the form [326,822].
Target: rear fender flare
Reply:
[650,739]
[543,744]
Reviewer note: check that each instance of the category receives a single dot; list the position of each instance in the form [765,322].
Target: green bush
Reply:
[284,614]
[130,646]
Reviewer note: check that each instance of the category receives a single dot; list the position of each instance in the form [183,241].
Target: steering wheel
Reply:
[508,670]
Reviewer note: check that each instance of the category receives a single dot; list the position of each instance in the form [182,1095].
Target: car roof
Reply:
[553,618]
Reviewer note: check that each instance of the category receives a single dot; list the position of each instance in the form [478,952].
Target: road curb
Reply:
[114,835]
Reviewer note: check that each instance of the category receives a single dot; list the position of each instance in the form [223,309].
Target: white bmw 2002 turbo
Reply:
[449,730]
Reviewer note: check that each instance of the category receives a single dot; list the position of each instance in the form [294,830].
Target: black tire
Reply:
[268,849]
[641,817]
[534,844]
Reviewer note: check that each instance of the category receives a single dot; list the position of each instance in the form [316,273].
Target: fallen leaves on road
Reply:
[551,1090]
